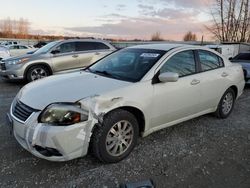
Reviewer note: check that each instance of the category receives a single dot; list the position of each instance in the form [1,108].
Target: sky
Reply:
[120,19]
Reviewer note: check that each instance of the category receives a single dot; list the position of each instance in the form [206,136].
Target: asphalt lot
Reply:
[204,152]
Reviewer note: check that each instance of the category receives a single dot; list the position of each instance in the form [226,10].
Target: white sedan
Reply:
[18,50]
[134,91]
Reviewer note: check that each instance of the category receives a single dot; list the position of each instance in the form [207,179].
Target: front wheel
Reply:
[116,137]
[37,72]
[226,104]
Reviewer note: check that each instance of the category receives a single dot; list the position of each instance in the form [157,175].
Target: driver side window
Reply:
[182,63]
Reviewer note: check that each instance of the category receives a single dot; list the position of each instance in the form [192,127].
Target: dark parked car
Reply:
[41,44]
[244,59]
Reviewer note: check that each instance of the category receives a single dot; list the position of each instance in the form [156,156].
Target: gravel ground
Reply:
[203,152]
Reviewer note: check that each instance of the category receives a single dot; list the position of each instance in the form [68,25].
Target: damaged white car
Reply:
[132,92]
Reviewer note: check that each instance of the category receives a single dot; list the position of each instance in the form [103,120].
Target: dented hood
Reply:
[66,88]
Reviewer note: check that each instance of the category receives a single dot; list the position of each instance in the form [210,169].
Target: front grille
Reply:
[22,111]
[2,65]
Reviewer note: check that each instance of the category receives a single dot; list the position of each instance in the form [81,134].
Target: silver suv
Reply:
[57,56]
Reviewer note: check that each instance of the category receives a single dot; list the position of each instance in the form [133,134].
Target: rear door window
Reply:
[182,63]
[209,60]
[85,46]
[100,46]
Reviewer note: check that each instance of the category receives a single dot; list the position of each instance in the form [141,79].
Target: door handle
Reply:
[195,82]
[97,53]
[75,56]
[224,74]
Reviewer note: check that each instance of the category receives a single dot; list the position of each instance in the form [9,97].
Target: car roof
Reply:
[88,40]
[165,46]
[83,40]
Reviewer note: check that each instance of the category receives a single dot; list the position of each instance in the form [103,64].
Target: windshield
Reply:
[46,48]
[128,64]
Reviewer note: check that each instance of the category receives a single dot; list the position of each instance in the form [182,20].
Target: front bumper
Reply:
[14,73]
[53,143]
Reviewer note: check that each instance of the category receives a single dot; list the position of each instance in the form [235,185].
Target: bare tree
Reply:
[22,28]
[231,20]
[14,28]
[189,36]
[156,36]
[7,27]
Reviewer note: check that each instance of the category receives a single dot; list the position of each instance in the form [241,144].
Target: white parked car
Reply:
[8,43]
[228,51]
[18,50]
[4,53]
[134,91]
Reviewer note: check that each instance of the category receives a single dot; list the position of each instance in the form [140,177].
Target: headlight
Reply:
[17,61]
[63,114]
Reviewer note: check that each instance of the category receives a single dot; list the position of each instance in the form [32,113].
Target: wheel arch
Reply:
[139,115]
[235,89]
[35,64]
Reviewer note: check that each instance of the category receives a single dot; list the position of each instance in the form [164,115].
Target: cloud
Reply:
[114,15]
[143,28]
[180,3]
[111,18]
[171,18]
[176,14]
[191,3]
[169,12]
[146,10]
[120,7]
[145,7]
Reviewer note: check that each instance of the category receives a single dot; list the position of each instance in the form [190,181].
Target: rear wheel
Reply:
[37,72]
[116,137]
[226,104]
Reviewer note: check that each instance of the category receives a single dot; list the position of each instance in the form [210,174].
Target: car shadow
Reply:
[18,82]
[247,86]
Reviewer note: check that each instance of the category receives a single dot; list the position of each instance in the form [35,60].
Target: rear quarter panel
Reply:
[236,76]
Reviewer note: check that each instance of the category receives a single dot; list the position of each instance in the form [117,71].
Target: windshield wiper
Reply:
[105,73]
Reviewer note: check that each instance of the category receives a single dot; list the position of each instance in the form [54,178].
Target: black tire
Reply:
[29,74]
[100,133]
[220,113]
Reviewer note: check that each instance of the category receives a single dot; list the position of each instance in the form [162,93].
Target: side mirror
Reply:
[55,52]
[230,58]
[168,77]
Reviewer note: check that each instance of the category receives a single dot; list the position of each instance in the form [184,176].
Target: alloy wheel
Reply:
[38,73]
[227,103]
[119,138]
